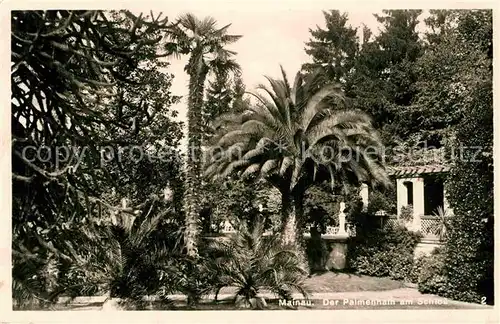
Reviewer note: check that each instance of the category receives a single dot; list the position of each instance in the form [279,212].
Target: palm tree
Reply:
[252,262]
[295,137]
[126,256]
[205,44]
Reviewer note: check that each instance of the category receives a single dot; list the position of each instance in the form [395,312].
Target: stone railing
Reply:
[334,231]
[343,230]
[331,231]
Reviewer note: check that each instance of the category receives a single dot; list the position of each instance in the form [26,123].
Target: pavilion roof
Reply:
[408,171]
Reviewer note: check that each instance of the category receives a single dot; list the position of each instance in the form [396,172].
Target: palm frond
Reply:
[233,166]
[268,166]
[252,169]
[231,137]
[189,22]
[259,150]
[285,164]
[297,91]
[297,170]
[229,39]
[311,109]
[207,26]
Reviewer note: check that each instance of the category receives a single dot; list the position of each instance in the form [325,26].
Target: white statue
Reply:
[342,230]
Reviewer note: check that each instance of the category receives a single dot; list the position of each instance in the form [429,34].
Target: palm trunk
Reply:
[300,223]
[194,160]
[288,230]
[292,219]
[293,224]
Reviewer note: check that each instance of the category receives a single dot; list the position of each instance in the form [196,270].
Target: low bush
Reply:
[428,272]
[383,252]
[407,213]
[195,278]
[382,200]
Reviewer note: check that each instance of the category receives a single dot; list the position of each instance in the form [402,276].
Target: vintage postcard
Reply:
[287,157]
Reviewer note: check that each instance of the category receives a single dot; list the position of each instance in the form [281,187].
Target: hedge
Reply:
[469,252]
[383,252]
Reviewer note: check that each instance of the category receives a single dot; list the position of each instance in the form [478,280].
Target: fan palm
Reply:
[251,262]
[295,137]
[205,44]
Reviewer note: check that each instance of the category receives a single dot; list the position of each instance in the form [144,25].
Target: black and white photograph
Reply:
[250,156]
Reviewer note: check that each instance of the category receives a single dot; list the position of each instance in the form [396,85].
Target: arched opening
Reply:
[409,192]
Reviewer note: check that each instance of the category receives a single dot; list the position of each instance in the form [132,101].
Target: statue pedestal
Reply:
[338,253]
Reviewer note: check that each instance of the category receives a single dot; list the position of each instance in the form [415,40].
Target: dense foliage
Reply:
[470,245]
[383,252]
[382,83]
[86,87]
[239,202]
[333,49]
[428,273]
[430,93]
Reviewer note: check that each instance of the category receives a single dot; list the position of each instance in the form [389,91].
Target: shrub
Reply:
[251,262]
[383,252]
[416,269]
[469,259]
[385,201]
[402,265]
[407,213]
[194,278]
[429,273]
[238,200]
[364,221]
[321,207]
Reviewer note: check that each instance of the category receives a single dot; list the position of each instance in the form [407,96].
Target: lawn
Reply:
[330,282]
[343,282]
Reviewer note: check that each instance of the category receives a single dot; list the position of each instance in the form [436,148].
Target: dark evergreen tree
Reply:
[384,73]
[333,49]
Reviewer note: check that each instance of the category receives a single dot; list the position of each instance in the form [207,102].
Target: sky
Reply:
[274,34]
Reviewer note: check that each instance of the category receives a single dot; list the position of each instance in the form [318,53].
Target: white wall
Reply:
[418,198]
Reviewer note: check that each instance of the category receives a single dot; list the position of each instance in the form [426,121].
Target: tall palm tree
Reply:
[295,137]
[205,44]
